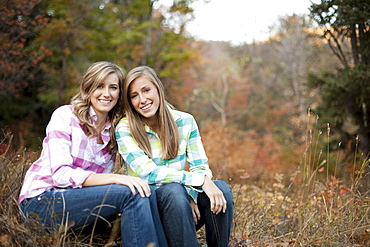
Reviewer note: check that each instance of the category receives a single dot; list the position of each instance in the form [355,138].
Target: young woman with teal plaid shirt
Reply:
[156,143]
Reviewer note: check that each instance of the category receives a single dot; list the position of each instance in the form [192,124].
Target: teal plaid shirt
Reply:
[158,171]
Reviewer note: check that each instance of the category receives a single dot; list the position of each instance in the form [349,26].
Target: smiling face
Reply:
[105,96]
[144,98]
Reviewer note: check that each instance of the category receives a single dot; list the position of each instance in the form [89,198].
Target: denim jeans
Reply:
[177,219]
[140,222]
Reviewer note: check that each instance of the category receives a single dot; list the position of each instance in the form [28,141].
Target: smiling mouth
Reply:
[146,107]
[104,101]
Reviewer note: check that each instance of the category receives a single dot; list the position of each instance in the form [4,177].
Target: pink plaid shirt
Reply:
[68,156]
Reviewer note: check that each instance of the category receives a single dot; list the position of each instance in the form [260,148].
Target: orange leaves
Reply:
[343,189]
[244,155]
[17,28]
[335,185]
[46,51]
[5,240]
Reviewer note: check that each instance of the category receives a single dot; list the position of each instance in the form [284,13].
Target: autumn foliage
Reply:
[19,25]
[272,206]
[297,179]
[244,156]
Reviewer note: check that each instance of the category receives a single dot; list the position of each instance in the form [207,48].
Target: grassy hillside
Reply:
[311,212]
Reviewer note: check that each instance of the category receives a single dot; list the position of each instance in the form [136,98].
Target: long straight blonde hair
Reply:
[81,102]
[166,123]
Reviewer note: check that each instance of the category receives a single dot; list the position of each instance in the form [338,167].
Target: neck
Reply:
[153,124]
[100,123]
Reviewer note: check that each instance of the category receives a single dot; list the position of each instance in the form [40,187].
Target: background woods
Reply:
[293,109]
[256,96]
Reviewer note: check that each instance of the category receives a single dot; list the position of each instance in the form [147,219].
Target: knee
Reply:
[122,194]
[123,191]
[171,190]
[172,194]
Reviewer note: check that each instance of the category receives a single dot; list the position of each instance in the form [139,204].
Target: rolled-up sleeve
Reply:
[195,153]
[58,145]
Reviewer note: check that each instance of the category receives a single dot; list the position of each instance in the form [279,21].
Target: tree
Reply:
[68,37]
[294,53]
[215,83]
[20,58]
[149,36]
[345,93]
[20,21]
[45,45]
[127,32]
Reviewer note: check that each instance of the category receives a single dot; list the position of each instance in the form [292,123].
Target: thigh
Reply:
[76,207]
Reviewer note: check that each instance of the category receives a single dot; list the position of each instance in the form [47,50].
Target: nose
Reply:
[106,92]
[142,98]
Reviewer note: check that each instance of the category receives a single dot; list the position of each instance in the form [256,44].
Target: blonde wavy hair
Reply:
[81,102]
[167,126]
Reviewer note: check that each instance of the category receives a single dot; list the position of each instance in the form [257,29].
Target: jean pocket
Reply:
[23,205]
[25,202]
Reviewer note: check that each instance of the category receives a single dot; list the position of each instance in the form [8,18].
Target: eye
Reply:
[114,87]
[133,96]
[146,89]
[100,86]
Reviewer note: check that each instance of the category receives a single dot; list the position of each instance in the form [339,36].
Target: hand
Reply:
[135,182]
[195,211]
[215,195]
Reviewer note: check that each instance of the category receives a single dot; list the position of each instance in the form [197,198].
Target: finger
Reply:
[194,216]
[213,204]
[147,190]
[141,191]
[142,188]
[219,204]
[224,207]
[145,187]
[197,213]
[132,188]
[222,204]
[216,209]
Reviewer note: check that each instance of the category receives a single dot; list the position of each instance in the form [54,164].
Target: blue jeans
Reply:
[177,219]
[140,222]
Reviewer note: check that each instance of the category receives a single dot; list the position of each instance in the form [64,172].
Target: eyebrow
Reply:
[143,87]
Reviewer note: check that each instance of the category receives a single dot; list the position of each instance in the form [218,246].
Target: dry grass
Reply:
[316,210]
[324,217]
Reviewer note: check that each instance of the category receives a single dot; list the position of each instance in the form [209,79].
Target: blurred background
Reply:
[264,80]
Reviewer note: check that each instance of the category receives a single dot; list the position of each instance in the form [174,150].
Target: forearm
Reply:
[134,183]
[165,175]
[215,195]
[101,179]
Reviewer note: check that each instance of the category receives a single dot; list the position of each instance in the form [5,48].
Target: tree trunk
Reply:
[354,40]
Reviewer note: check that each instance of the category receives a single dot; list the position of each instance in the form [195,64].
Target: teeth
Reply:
[145,107]
[105,101]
